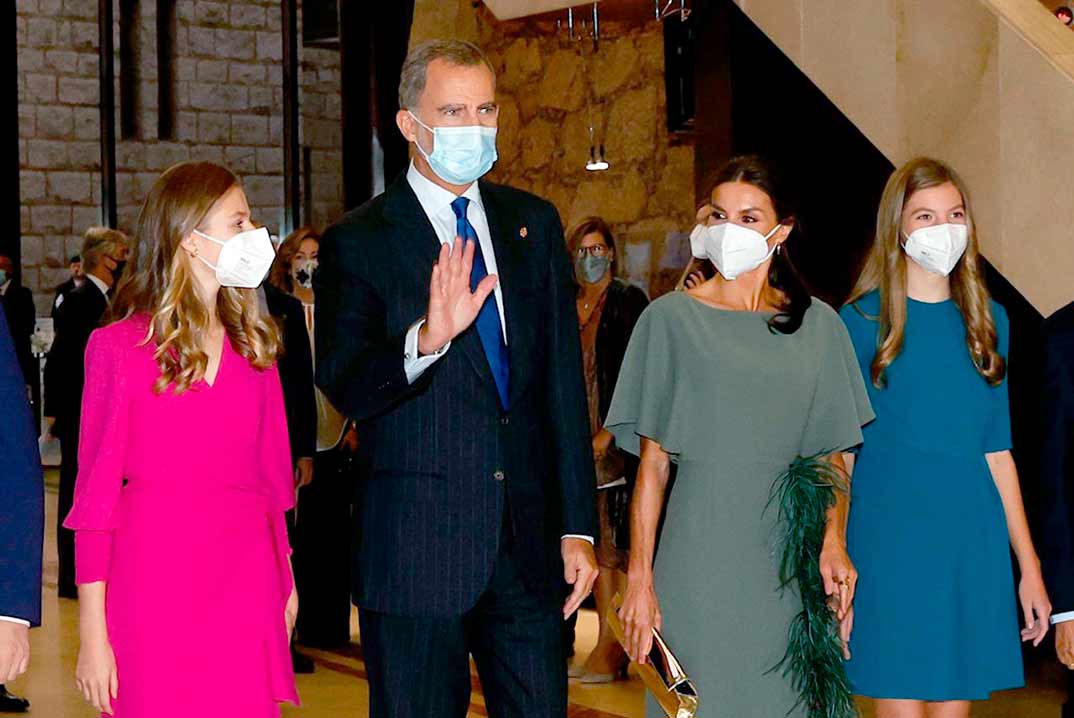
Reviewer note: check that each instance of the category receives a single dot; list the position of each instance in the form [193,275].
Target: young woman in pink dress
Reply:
[181,556]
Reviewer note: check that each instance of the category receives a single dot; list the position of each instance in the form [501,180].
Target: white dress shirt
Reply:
[99,283]
[436,201]
[1063,617]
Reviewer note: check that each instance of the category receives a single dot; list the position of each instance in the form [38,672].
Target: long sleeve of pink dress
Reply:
[179,507]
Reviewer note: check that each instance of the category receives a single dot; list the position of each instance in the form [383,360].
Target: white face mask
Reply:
[244,259]
[734,249]
[937,248]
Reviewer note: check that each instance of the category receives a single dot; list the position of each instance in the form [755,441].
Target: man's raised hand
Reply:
[452,305]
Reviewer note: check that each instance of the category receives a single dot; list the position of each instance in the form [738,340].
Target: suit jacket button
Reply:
[498,475]
[504,420]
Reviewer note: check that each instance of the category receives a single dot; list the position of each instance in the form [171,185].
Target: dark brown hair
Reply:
[280,274]
[591,225]
[782,275]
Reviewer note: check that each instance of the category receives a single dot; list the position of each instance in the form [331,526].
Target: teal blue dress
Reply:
[935,614]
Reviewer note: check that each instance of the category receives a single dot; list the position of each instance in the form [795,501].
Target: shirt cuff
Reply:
[1063,617]
[414,365]
[12,619]
[579,536]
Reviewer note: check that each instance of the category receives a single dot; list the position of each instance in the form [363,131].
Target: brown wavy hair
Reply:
[160,283]
[280,274]
[885,270]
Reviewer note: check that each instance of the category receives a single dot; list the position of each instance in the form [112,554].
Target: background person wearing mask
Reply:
[608,309]
[295,364]
[21,524]
[480,506]
[73,282]
[104,252]
[321,537]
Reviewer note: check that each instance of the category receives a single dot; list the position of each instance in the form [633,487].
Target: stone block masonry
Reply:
[228,109]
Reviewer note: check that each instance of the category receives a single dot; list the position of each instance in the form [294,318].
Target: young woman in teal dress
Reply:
[934,493]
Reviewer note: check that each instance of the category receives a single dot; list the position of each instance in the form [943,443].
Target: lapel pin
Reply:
[523,233]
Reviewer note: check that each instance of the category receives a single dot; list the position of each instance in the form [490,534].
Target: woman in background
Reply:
[186,597]
[935,494]
[608,309]
[321,536]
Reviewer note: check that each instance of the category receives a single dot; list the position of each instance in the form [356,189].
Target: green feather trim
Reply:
[814,658]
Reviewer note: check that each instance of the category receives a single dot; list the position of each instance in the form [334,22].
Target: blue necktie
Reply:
[488,319]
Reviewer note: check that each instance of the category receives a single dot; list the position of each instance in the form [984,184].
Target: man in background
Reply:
[73,282]
[104,253]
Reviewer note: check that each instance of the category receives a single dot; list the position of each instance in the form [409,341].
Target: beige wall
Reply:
[987,85]
[543,85]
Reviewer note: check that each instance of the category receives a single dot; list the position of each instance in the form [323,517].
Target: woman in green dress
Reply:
[733,380]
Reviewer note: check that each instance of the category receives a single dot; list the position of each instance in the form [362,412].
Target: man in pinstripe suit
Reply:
[446,322]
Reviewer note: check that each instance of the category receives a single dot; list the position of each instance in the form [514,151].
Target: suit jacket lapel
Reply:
[510,264]
[415,232]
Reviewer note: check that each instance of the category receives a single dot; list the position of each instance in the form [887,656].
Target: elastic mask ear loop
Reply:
[417,141]
[775,246]
[197,254]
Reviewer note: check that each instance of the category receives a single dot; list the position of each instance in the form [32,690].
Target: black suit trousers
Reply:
[419,667]
[65,538]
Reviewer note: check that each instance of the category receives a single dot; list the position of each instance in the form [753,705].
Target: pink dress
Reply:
[179,506]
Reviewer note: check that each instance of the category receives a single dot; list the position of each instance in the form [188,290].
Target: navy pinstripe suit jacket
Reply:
[445,456]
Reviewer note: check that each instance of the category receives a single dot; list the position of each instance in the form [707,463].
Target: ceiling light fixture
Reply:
[596,162]
[668,10]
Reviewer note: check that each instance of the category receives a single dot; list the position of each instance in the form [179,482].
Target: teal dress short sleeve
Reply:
[935,611]
[840,406]
[646,405]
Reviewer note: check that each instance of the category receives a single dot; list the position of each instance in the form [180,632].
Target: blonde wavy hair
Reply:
[885,270]
[280,274]
[159,281]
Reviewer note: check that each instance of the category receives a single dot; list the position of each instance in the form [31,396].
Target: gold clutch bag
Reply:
[662,674]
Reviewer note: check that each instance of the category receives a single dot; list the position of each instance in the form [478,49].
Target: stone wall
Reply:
[549,89]
[228,108]
[59,150]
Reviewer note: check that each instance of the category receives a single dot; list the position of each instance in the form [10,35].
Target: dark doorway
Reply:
[838,173]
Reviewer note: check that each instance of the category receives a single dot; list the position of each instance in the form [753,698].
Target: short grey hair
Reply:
[456,52]
[99,242]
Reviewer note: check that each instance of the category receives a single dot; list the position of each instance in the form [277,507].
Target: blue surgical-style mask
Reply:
[460,154]
[591,269]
